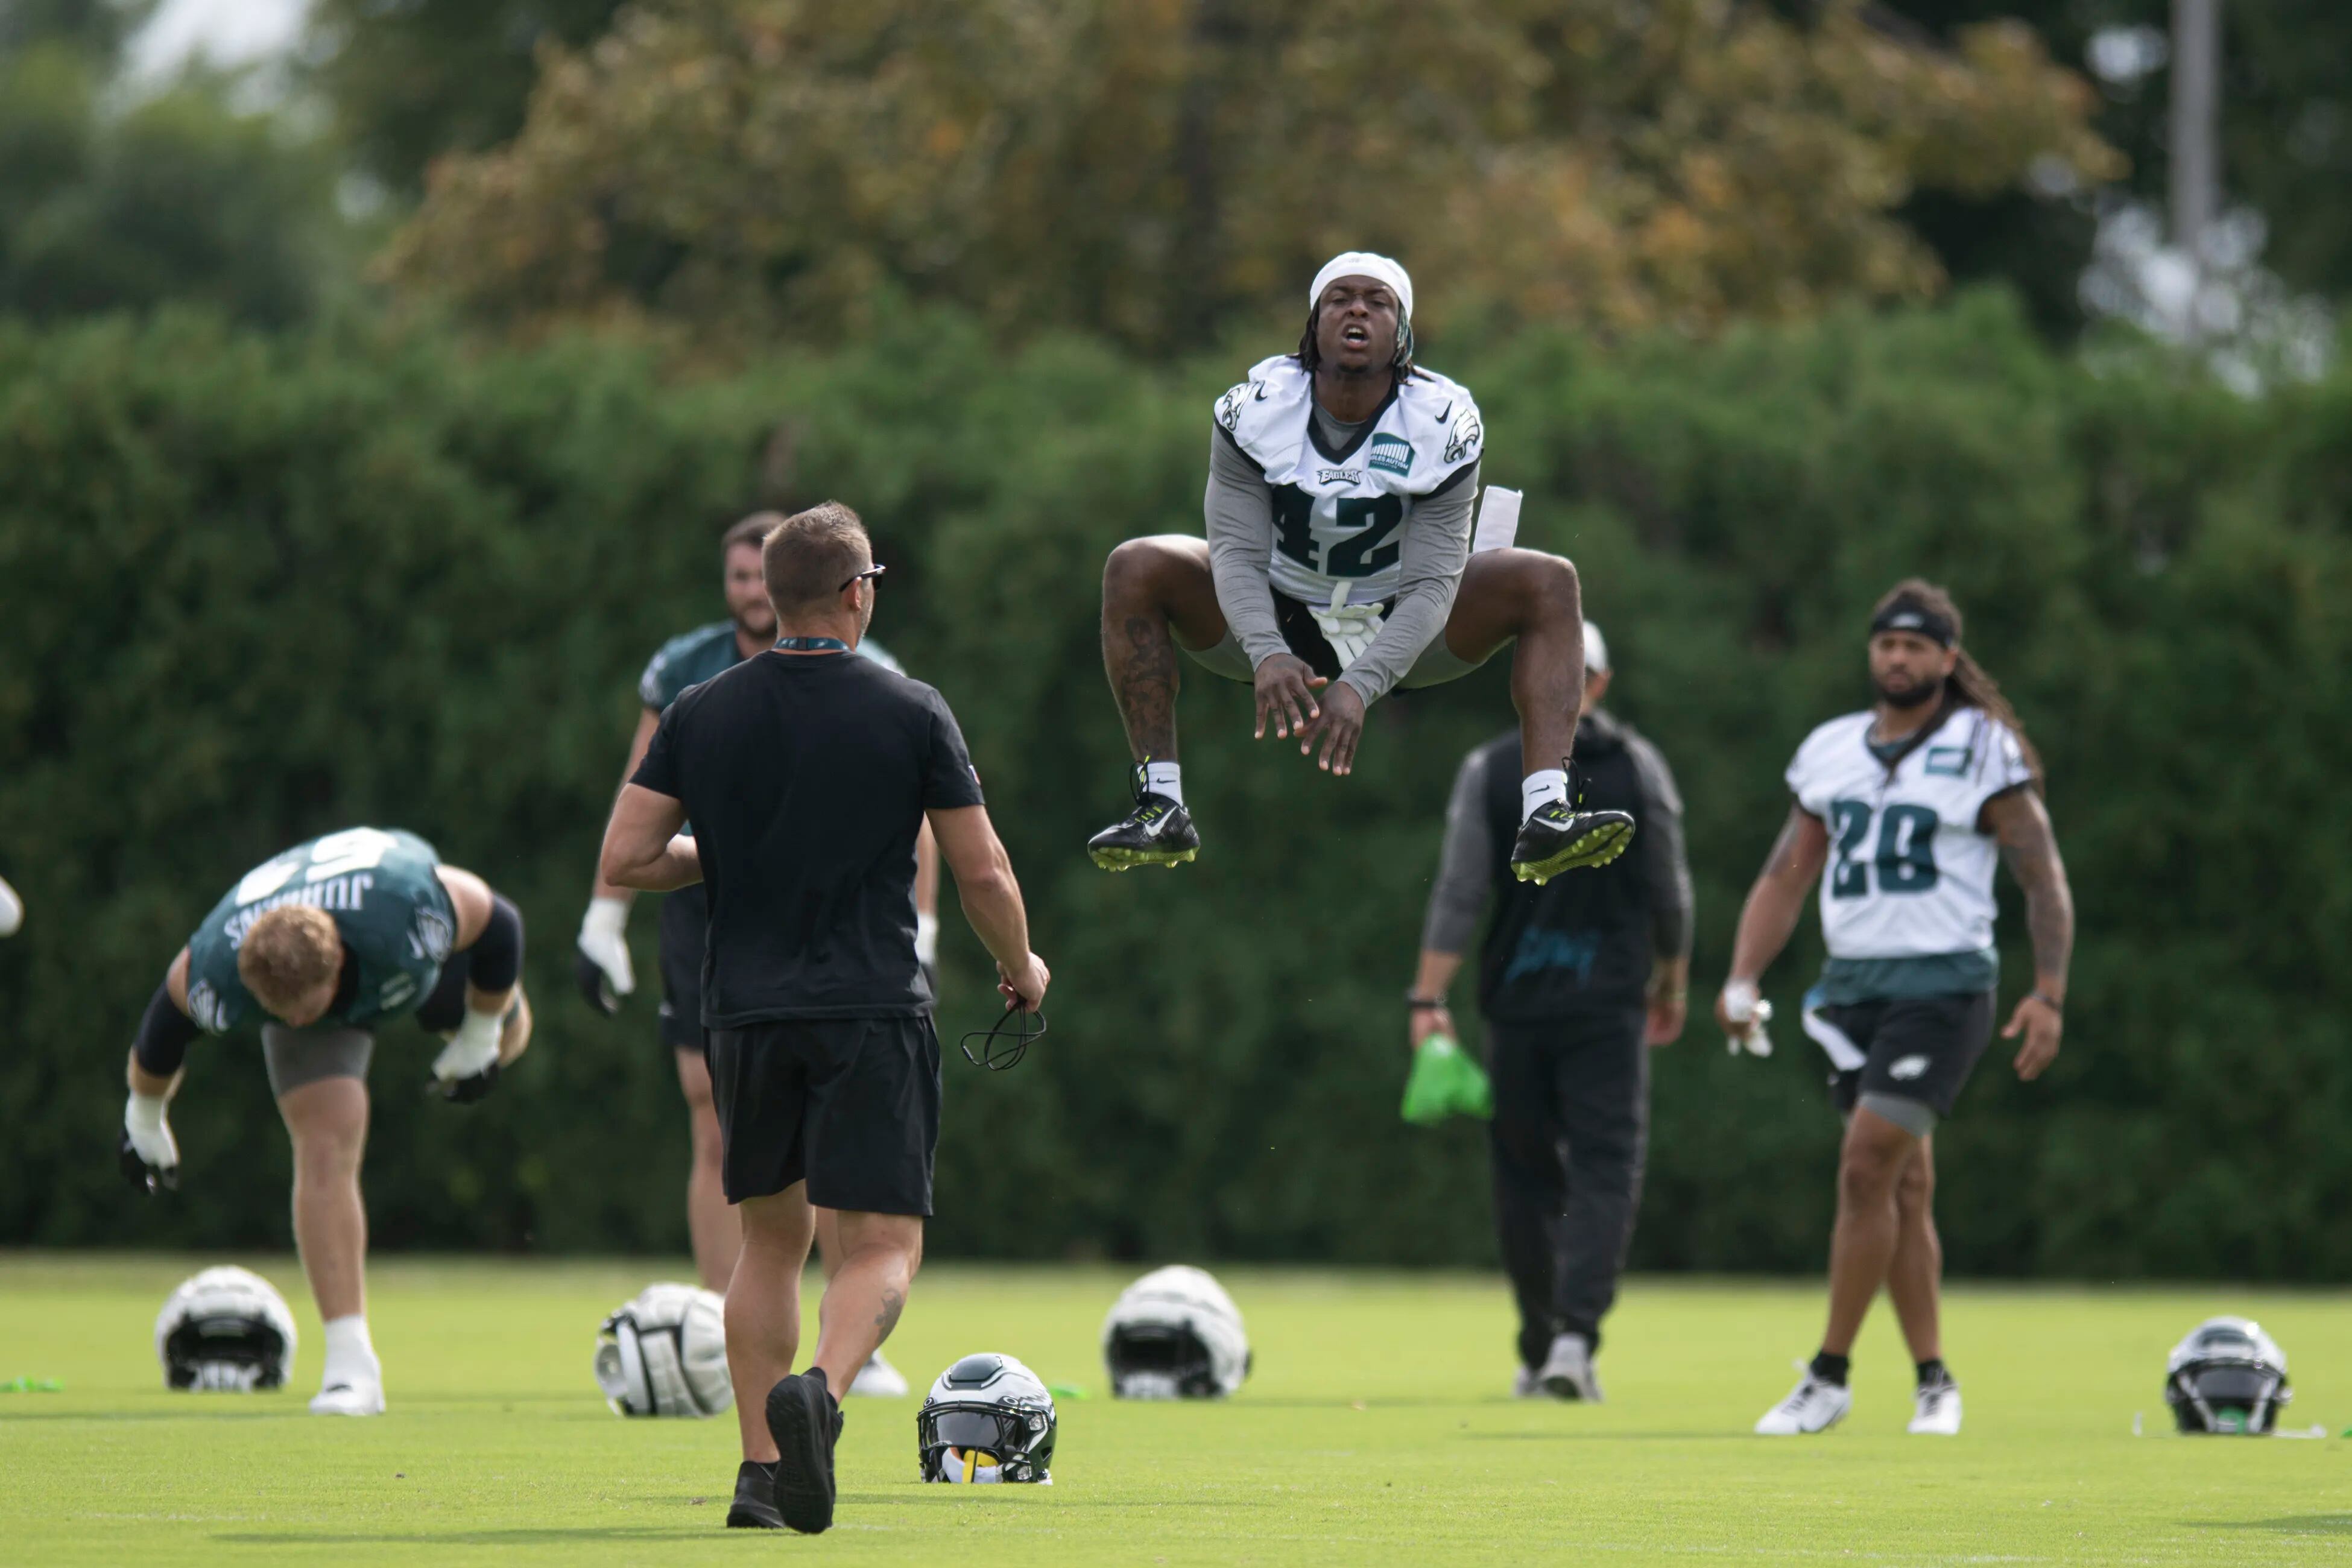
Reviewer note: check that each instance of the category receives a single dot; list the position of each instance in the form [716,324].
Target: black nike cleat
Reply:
[804,1421]
[1558,837]
[1158,831]
[754,1506]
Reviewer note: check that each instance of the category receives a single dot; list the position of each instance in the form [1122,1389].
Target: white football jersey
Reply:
[1909,875]
[1339,517]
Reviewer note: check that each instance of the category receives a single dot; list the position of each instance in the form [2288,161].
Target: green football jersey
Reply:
[393,913]
[695,657]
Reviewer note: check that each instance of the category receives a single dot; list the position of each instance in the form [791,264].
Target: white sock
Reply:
[1539,790]
[1165,778]
[350,1355]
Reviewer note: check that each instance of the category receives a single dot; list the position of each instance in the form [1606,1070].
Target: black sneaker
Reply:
[1558,837]
[1158,831]
[805,1420]
[754,1506]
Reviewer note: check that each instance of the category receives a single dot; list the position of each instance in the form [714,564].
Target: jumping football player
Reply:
[323,944]
[1900,812]
[603,969]
[1338,562]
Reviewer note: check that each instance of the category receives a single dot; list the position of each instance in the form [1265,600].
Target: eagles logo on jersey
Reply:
[1339,516]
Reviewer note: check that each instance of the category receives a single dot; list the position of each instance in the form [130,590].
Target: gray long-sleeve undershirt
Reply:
[1465,865]
[1239,510]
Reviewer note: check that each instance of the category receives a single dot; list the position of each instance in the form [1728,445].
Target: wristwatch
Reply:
[1415,1002]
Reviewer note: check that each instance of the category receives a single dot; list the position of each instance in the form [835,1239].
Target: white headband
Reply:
[1364,264]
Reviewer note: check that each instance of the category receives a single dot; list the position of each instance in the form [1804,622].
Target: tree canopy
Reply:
[750,170]
[180,197]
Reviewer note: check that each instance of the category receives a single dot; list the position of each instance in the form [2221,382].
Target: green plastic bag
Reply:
[1445,1082]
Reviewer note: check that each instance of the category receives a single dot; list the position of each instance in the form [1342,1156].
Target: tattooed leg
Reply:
[867,1292]
[1155,590]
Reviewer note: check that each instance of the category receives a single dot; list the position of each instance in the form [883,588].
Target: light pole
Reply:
[2195,137]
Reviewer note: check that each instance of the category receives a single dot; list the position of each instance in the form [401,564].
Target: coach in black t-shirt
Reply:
[807,774]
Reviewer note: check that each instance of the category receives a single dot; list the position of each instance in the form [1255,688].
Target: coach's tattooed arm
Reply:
[2029,849]
[1775,902]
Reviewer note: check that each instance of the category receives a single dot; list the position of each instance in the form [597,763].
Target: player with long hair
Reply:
[1901,812]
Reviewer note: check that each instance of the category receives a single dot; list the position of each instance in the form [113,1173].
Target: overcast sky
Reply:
[233,32]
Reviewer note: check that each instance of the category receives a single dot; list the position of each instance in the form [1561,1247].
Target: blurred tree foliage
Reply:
[177,196]
[2286,128]
[412,79]
[260,587]
[752,170]
[96,28]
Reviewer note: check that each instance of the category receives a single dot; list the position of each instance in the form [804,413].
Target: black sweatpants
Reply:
[1570,1132]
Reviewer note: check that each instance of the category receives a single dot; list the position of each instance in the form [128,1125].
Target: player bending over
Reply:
[603,969]
[324,943]
[1338,562]
[1900,812]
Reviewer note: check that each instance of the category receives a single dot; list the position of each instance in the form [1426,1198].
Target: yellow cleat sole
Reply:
[1597,847]
[1129,860]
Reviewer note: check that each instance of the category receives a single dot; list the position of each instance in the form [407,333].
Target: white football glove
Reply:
[151,1156]
[1743,1005]
[926,948]
[468,1064]
[605,973]
[12,909]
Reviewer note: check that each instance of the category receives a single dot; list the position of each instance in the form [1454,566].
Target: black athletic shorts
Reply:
[849,1105]
[685,931]
[1919,1048]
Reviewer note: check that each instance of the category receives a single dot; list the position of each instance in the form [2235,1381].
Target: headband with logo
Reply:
[1909,614]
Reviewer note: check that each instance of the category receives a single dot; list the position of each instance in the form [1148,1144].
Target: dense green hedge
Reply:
[253,590]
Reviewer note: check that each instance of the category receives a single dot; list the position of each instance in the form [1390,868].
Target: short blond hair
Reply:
[287,954]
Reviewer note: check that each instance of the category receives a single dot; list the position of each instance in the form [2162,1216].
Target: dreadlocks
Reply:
[1969,686]
[1310,356]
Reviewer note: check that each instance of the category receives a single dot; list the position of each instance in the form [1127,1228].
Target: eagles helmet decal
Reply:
[987,1419]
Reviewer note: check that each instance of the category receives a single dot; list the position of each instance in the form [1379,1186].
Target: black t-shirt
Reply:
[806,777]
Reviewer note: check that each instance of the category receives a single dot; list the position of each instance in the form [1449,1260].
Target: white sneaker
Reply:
[1939,1413]
[1811,1406]
[349,1399]
[877,1379]
[1567,1373]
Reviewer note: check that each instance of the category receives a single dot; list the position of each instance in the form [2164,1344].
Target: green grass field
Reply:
[1375,1430]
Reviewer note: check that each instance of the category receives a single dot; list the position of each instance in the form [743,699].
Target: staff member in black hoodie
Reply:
[1577,978]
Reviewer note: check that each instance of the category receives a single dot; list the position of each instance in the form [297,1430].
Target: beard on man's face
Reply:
[757,620]
[1899,691]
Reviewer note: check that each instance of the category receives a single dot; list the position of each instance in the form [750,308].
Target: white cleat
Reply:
[1811,1406]
[1525,1384]
[877,1379]
[1567,1373]
[349,1399]
[1939,1413]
